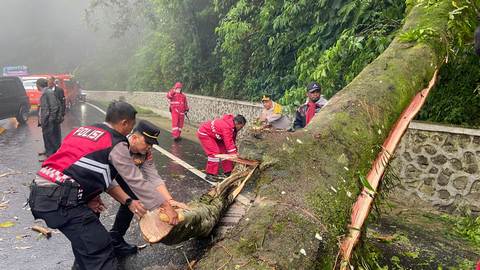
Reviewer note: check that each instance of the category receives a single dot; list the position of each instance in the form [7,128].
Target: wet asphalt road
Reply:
[21,248]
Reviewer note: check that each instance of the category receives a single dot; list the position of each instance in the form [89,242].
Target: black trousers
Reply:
[124,215]
[52,137]
[91,243]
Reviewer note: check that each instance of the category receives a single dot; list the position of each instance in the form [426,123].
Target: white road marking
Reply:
[96,107]
[170,155]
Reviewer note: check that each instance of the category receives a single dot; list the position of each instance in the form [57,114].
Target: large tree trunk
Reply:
[309,179]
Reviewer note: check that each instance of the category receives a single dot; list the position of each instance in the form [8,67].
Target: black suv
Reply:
[13,99]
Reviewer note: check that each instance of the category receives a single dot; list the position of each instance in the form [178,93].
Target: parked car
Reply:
[71,88]
[13,99]
[83,96]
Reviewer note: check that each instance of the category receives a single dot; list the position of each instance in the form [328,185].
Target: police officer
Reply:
[141,177]
[65,192]
[272,114]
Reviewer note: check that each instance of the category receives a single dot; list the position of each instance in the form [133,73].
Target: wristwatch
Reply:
[128,202]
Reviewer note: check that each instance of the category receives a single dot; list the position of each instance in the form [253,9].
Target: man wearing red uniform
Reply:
[178,109]
[218,137]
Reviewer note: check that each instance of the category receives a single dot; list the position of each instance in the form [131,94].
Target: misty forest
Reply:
[371,58]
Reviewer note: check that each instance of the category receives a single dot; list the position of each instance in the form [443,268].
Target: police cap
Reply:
[148,130]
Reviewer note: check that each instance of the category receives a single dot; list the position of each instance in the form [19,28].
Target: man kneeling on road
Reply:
[136,166]
[66,191]
[218,137]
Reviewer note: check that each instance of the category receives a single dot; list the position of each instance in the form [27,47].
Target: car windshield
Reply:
[30,85]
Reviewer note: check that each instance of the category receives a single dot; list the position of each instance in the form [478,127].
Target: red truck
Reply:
[66,81]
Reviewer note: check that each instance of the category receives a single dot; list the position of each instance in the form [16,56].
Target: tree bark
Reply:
[309,179]
[202,215]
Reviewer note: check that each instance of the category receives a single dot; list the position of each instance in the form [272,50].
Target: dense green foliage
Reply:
[455,100]
[241,49]
[467,227]
[276,46]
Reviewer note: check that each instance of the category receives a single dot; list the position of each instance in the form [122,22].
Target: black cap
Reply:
[313,86]
[148,130]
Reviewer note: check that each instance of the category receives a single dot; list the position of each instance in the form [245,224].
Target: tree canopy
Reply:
[242,49]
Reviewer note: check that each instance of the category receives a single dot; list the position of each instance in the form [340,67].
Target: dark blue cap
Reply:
[148,130]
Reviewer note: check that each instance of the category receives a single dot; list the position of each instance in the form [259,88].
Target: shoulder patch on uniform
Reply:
[277,109]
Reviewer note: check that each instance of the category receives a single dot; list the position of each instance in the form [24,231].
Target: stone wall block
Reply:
[464,140]
[450,145]
[439,159]
[420,137]
[443,194]
[433,170]
[476,140]
[411,173]
[442,179]
[429,149]
[407,157]
[460,183]
[422,161]
[456,164]
[438,139]
[470,163]
[427,190]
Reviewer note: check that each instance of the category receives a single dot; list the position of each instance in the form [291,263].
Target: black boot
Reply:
[120,247]
[213,178]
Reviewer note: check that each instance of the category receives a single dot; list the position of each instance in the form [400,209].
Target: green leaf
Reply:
[365,183]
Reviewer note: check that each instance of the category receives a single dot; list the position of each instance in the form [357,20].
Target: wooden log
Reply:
[202,215]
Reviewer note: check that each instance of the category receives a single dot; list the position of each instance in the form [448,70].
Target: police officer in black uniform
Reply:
[65,192]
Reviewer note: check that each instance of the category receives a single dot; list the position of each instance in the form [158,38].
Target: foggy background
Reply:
[51,36]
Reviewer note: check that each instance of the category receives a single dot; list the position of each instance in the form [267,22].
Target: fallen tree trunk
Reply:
[309,179]
[203,215]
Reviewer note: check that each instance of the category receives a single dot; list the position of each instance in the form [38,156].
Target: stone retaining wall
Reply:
[439,164]
[202,108]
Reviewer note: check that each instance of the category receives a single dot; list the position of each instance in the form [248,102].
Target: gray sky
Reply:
[45,35]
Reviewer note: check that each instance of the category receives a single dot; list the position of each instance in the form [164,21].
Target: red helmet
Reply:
[178,85]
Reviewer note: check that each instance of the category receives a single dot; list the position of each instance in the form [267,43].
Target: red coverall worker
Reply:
[178,108]
[218,137]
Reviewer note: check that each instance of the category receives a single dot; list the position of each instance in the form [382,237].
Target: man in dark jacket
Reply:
[49,118]
[306,112]
[59,93]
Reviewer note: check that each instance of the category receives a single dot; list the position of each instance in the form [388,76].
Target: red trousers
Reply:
[177,122]
[213,147]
